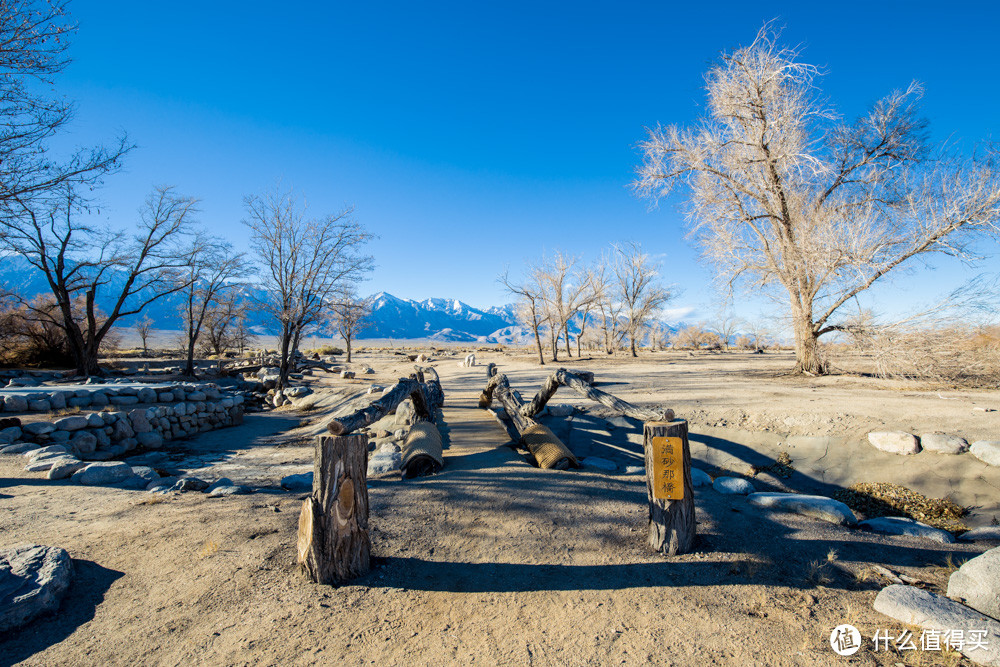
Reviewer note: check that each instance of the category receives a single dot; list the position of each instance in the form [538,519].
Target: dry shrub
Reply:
[874,499]
[951,354]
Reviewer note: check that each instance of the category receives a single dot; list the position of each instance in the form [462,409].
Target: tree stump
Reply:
[668,486]
[333,542]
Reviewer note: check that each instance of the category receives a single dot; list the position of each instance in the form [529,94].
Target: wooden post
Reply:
[668,487]
[333,544]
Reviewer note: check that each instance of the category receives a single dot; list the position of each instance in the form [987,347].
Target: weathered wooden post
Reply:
[668,486]
[333,543]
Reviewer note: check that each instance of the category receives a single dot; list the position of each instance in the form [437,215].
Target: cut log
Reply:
[333,542]
[580,385]
[668,487]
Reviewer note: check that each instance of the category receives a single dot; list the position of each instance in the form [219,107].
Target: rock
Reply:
[368,371]
[145,473]
[108,472]
[599,463]
[95,420]
[15,403]
[943,444]
[347,375]
[987,451]
[39,405]
[122,430]
[375,388]
[300,482]
[641,470]
[733,486]
[151,440]
[618,422]
[896,525]
[560,410]
[383,462]
[196,396]
[982,534]
[84,443]
[47,463]
[98,399]
[10,434]
[296,392]
[977,583]
[57,399]
[10,422]
[700,478]
[38,428]
[119,400]
[165,397]
[146,395]
[33,580]
[80,401]
[59,436]
[232,490]
[47,452]
[162,484]
[64,468]
[894,442]
[19,448]
[914,606]
[139,421]
[189,484]
[405,413]
[816,507]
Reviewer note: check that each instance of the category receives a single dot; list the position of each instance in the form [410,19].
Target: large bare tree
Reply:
[304,263]
[530,304]
[785,196]
[86,265]
[565,289]
[348,313]
[34,38]
[212,268]
[636,288]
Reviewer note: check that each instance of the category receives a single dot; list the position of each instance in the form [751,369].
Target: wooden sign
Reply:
[668,468]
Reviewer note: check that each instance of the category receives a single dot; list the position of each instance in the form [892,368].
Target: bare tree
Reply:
[304,263]
[636,288]
[143,327]
[531,304]
[34,37]
[785,196]
[349,313]
[86,265]
[224,318]
[606,304]
[212,266]
[726,324]
[565,291]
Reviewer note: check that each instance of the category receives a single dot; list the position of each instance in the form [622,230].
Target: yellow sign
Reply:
[668,468]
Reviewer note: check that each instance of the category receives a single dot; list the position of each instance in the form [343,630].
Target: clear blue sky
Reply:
[474,135]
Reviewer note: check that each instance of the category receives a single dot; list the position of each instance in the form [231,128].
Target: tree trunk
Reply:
[347,341]
[569,353]
[333,542]
[807,356]
[189,364]
[631,339]
[538,342]
[668,487]
[286,339]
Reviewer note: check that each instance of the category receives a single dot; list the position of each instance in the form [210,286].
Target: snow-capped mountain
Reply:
[440,319]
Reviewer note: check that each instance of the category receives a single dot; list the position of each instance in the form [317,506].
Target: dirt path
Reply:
[491,561]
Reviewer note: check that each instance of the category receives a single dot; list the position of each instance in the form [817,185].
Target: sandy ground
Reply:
[493,561]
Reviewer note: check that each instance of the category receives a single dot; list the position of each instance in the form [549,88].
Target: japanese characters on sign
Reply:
[668,468]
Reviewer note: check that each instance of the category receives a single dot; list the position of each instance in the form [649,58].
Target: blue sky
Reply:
[471,136]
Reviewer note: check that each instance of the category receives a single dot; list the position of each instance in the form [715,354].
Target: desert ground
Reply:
[493,561]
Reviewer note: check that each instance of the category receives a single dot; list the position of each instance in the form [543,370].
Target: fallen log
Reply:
[333,541]
[427,397]
[564,378]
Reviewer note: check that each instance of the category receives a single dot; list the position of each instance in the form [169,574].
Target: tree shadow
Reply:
[90,584]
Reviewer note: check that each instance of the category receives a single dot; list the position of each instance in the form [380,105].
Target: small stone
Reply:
[383,462]
[816,507]
[189,484]
[33,580]
[300,482]
[941,443]
[897,525]
[914,606]
[987,451]
[977,583]
[109,472]
[894,442]
[733,486]
[599,463]
[232,490]
[700,478]
[145,473]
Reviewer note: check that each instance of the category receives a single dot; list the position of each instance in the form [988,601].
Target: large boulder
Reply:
[71,423]
[897,525]
[700,478]
[894,442]
[943,444]
[987,451]
[914,606]
[816,507]
[106,472]
[83,442]
[15,403]
[38,428]
[33,580]
[65,467]
[977,583]
[733,486]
